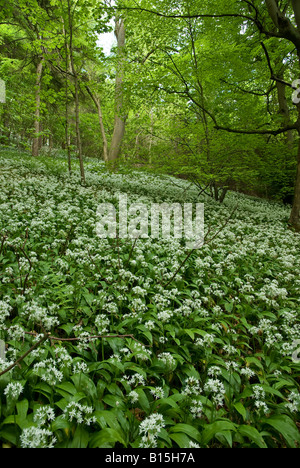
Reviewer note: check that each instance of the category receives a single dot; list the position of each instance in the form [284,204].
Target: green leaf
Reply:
[224,435]
[9,434]
[85,385]
[22,409]
[60,423]
[145,332]
[143,400]
[66,389]
[252,434]
[272,391]
[44,389]
[107,437]
[187,429]
[81,438]
[114,401]
[241,410]
[182,440]
[211,430]
[107,418]
[286,427]
[190,333]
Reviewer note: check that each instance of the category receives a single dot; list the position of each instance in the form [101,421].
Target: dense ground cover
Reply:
[211,356]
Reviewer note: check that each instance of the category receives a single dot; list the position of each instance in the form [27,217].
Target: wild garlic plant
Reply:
[143,349]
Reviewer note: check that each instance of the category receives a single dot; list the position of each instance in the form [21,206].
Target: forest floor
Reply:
[143,347]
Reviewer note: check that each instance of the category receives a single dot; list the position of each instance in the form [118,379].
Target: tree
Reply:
[271,19]
[120,115]
[37,128]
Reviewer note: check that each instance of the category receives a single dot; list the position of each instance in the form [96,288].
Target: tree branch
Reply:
[248,91]
[45,337]
[273,76]
[259,132]
[188,16]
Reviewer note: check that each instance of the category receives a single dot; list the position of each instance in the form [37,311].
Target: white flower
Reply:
[134,380]
[214,371]
[134,396]
[231,365]
[80,413]
[150,325]
[13,390]
[5,310]
[217,389]
[165,316]
[16,332]
[80,367]
[262,405]
[102,322]
[247,372]
[157,392]
[167,359]
[192,387]
[35,437]
[63,358]
[141,352]
[206,341]
[150,429]
[294,402]
[37,314]
[229,349]
[196,409]
[259,395]
[163,339]
[44,414]
[48,372]
[193,445]
[258,392]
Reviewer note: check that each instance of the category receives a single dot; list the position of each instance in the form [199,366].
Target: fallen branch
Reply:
[56,338]
[45,337]
[92,337]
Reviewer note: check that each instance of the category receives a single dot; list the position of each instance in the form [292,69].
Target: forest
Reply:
[142,341]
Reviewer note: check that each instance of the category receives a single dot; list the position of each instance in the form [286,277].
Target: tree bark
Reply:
[296,8]
[284,109]
[295,213]
[97,103]
[273,10]
[67,65]
[120,115]
[77,104]
[37,114]
[77,119]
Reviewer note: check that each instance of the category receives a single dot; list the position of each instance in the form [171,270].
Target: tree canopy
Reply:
[205,90]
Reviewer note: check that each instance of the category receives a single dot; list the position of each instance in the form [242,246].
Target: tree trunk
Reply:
[77,118]
[97,103]
[284,109]
[77,104]
[272,7]
[120,116]
[296,8]
[287,30]
[37,114]
[68,69]
[295,214]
